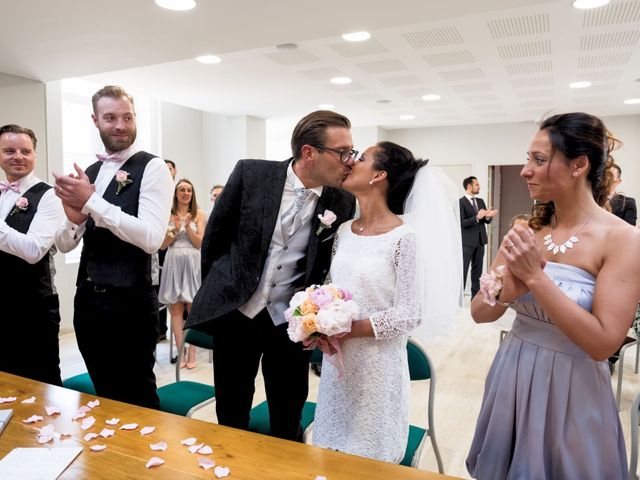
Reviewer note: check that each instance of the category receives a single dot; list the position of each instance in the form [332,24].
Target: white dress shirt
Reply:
[39,239]
[148,229]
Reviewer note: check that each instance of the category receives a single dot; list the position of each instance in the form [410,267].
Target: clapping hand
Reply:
[74,191]
[520,250]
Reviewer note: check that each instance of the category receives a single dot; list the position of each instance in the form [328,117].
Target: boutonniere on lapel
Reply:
[123,180]
[326,220]
[21,206]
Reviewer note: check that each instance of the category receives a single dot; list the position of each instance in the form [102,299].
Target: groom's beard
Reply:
[112,144]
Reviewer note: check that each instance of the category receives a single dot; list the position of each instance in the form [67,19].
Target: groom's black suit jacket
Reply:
[474,232]
[236,240]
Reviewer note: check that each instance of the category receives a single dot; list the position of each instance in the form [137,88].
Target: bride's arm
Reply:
[405,313]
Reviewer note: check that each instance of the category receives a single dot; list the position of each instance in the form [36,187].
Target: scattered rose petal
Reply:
[82,412]
[51,410]
[112,422]
[129,426]
[195,448]
[320,477]
[107,432]
[147,430]
[221,472]
[44,438]
[154,462]
[90,436]
[189,441]
[98,448]
[29,400]
[8,399]
[47,430]
[87,423]
[206,450]
[65,435]
[206,463]
[32,419]
[162,446]
[93,403]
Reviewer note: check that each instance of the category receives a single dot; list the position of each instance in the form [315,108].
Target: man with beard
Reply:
[120,207]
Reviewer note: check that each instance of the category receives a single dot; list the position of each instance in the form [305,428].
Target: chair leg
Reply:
[436,451]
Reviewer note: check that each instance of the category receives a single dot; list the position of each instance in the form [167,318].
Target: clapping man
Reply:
[474,215]
[120,207]
[30,214]
[261,244]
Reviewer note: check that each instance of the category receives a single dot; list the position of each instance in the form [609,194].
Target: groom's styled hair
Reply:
[312,128]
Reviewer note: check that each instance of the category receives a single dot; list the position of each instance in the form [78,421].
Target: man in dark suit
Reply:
[474,215]
[621,205]
[261,245]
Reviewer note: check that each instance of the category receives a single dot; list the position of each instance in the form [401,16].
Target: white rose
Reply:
[334,319]
[296,330]
[297,299]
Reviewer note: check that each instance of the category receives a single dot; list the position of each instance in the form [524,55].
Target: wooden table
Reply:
[248,455]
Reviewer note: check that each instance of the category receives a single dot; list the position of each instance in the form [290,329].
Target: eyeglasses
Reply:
[344,155]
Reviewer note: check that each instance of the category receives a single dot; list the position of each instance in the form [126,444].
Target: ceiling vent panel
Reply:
[437,37]
[401,81]
[472,87]
[359,49]
[461,75]
[519,26]
[524,50]
[447,59]
[529,68]
[601,76]
[532,82]
[610,40]
[608,60]
[612,14]
[540,93]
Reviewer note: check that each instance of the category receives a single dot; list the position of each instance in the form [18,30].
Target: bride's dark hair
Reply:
[401,167]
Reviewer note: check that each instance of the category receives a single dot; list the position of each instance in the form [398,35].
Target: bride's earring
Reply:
[371,182]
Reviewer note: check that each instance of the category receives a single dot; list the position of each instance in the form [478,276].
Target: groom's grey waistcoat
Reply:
[238,234]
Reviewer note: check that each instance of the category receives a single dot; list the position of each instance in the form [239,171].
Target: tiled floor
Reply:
[462,360]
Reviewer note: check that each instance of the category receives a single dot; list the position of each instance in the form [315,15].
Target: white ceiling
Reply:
[490,60]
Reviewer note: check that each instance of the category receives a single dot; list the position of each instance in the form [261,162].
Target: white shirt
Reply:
[39,239]
[148,229]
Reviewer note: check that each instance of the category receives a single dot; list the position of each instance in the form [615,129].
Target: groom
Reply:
[262,243]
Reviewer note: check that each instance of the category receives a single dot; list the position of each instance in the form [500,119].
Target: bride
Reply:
[376,257]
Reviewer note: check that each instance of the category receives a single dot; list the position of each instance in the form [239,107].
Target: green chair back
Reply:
[199,339]
[419,368]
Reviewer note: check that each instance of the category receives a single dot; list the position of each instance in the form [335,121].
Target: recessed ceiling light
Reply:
[407,117]
[340,80]
[176,4]
[356,36]
[431,97]
[210,59]
[586,4]
[326,106]
[579,84]
[632,101]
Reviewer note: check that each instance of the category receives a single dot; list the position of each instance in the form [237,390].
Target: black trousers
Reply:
[30,328]
[473,256]
[117,330]
[239,343]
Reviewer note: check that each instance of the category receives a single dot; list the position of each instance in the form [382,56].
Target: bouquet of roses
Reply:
[319,316]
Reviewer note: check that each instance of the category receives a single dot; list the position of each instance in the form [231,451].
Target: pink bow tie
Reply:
[4,186]
[114,157]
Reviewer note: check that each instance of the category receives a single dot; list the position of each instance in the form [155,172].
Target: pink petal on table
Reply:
[47,430]
[154,462]
[189,441]
[222,472]
[129,426]
[29,400]
[44,438]
[32,419]
[51,410]
[206,450]
[195,448]
[98,448]
[113,421]
[93,403]
[320,477]
[87,423]
[147,430]
[162,446]
[8,399]
[82,412]
[107,432]
[206,463]
[90,436]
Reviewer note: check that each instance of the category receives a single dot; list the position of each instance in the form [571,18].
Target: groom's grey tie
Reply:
[292,219]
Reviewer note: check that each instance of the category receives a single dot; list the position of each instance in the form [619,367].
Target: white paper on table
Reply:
[37,463]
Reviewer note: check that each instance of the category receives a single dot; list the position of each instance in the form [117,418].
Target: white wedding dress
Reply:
[366,411]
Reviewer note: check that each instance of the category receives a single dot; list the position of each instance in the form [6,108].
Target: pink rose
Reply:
[321,297]
[327,218]
[491,284]
[121,176]
[346,294]
[22,203]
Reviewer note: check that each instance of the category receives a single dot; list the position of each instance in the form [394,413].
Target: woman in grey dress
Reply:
[548,409]
[181,269]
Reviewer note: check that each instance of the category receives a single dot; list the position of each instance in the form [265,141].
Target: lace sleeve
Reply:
[405,313]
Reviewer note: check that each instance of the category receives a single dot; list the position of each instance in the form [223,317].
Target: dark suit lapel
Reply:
[324,203]
[273,189]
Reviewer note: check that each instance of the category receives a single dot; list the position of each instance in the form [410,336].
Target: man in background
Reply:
[474,215]
[120,207]
[621,205]
[30,214]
